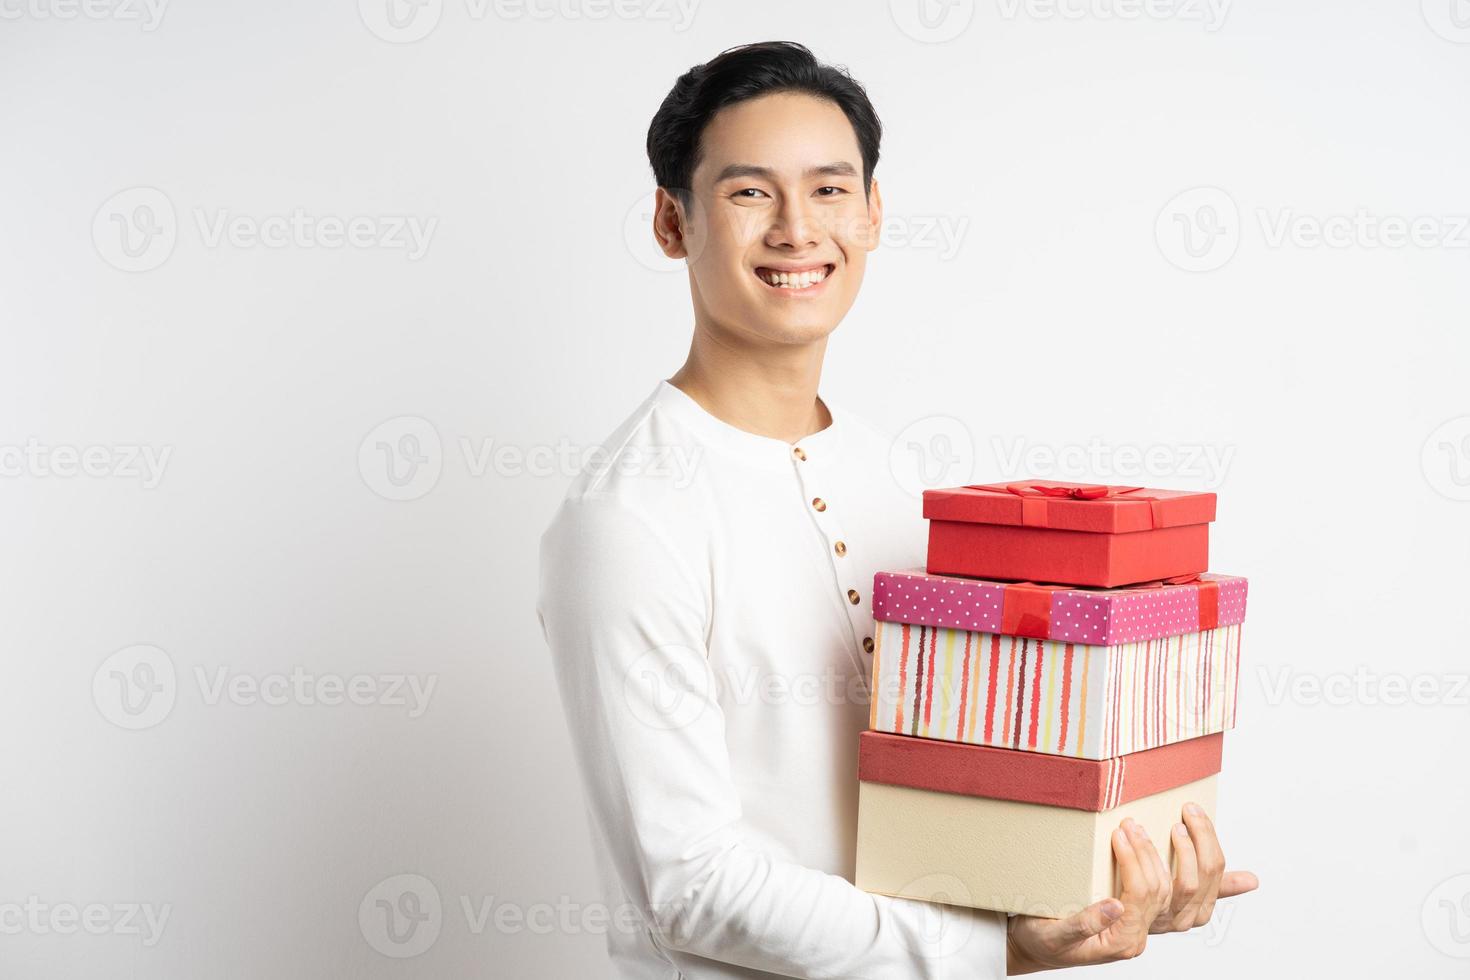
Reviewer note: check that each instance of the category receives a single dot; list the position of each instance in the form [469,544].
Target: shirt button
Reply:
[819,503]
[841,548]
[852,596]
[867,644]
[799,453]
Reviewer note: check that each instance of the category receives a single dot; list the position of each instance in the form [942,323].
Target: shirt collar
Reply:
[764,450]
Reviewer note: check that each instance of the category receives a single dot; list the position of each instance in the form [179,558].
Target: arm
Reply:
[625,621]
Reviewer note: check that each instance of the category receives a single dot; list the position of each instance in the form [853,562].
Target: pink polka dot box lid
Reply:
[1097,616]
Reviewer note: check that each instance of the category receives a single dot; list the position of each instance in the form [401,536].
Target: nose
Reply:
[795,226]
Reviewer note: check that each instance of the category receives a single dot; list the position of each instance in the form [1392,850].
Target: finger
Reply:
[1146,855]
[1209,856]
[1238,883]
[1089,922]
[1184,902]
[1130,877]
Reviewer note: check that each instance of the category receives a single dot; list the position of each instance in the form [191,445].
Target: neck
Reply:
[770,391]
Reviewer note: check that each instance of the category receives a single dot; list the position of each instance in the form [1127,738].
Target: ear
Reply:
[875,215]
[669,224]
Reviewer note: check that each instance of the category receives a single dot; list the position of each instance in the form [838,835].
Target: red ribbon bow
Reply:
[1036,496]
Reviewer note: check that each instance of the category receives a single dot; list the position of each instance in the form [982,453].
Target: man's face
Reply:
[780,229]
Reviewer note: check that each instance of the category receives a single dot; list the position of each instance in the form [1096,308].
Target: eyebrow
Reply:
[839,169]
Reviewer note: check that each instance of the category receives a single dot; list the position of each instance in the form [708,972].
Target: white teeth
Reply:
[797,280]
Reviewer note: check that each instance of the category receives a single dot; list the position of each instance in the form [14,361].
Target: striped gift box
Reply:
[1057,697]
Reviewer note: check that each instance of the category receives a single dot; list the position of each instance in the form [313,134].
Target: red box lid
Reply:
[1035,777]
[1070,506]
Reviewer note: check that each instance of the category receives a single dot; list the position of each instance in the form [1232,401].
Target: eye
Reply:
[829,187]
[740,194]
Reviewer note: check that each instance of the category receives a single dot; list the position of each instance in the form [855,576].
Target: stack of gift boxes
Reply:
[1063,662]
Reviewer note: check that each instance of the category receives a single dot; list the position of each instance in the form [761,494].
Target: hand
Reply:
[1113,929]
[1200,877]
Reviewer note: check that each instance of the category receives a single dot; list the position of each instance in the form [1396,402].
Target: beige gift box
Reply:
[1016,855]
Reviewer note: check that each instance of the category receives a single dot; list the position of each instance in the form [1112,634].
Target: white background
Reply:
[1035,287]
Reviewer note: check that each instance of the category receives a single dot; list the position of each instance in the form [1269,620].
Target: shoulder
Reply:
[629,514]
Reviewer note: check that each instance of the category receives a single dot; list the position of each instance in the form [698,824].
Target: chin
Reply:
[798,332]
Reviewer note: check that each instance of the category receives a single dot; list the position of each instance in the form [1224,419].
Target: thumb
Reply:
[1090,921]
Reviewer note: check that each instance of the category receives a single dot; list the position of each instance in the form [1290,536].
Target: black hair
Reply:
[742,73]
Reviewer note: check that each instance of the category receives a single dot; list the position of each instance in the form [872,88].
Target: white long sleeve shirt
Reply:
[704,593]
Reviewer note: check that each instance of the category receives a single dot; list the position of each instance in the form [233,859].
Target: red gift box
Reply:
[1030,777]
[1068,533]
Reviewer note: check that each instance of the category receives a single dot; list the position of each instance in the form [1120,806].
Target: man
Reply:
[710,623]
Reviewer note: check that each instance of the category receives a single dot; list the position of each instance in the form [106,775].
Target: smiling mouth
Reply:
[795,281]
